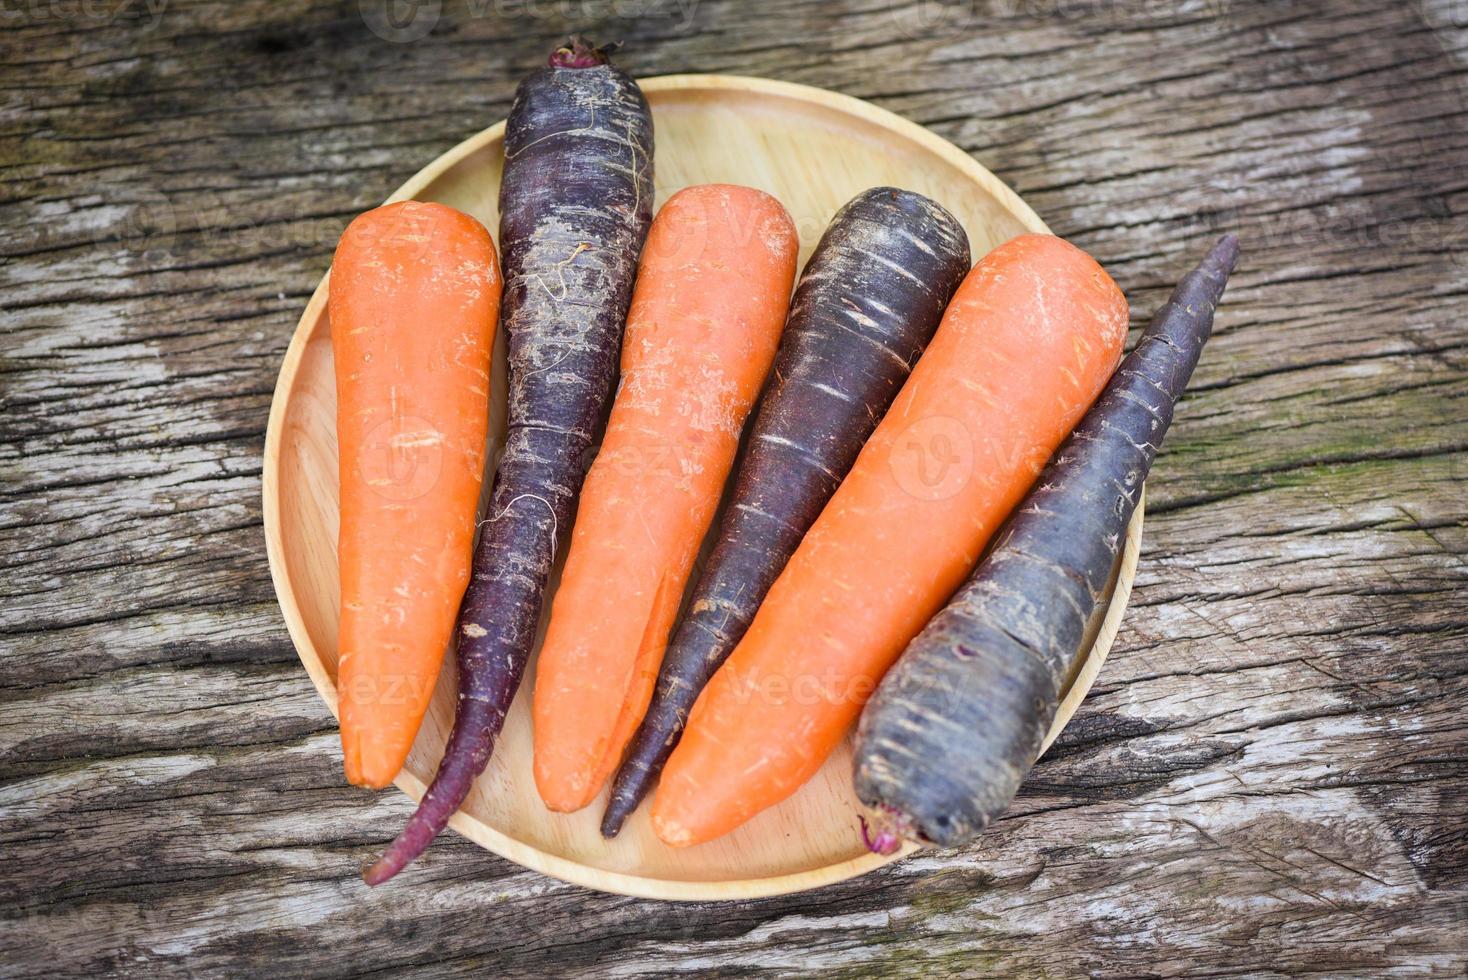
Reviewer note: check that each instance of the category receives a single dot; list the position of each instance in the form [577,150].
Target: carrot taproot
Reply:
[1028,341]
[954,728]
[866,305]
[702,331]
[575,205]
[413,298]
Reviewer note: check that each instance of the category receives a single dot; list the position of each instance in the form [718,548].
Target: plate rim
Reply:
[527,855]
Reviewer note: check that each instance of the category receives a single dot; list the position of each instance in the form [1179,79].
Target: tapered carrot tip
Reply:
[367,762]
[1222,257]
[385,868]
[564,793]
[376,739]
[370,773]
[376,873]
[685,812]
[374,745]
[671,832]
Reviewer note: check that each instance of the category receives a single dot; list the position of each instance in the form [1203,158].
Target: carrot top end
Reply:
[884,829]
[578,52]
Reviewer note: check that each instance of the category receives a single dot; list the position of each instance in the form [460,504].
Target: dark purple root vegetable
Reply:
[866,305]
[575,205]
[956,725]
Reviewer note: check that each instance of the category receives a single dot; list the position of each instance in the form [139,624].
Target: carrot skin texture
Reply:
[575,205]
[1023,349]
[413,299]
[710,299]
[866,305]
[954,728]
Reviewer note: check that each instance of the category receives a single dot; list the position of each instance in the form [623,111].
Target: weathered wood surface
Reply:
[1272,773]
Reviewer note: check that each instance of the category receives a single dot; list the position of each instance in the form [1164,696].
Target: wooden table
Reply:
[1270,776]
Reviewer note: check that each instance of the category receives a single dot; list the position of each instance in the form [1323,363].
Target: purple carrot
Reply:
[956,725]
[868,302]
[575,205]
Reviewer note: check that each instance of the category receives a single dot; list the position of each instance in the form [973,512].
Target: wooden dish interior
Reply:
[813,150]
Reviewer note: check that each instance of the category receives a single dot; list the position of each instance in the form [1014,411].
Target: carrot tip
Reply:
[378,871]
[670,833]
[1225,253]
[564,804]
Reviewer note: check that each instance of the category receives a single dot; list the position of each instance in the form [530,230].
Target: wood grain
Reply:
[1269,776]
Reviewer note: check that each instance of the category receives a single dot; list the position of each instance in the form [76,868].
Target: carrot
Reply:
[705,321]
[865,307]
[413,298]
[575,205]
[1023,349]
[955,726]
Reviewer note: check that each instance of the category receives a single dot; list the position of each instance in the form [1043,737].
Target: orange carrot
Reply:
[1024,348]
[414,294]
[705,320]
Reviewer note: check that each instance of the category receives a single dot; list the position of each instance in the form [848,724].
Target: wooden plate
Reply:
[813,150]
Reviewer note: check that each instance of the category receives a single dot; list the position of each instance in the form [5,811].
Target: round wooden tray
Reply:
[813,150]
